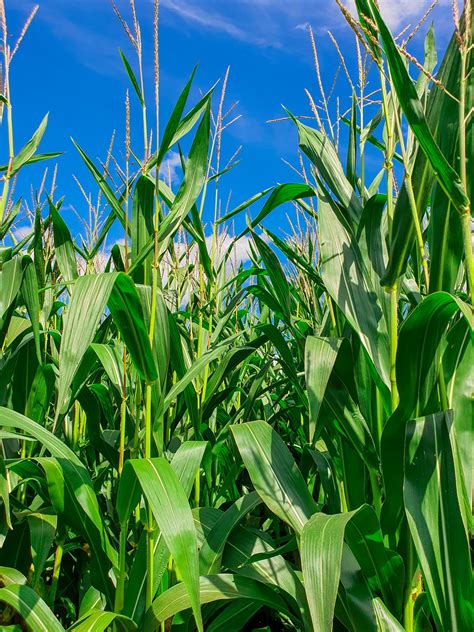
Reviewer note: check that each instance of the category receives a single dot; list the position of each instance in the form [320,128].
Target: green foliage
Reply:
[189,442]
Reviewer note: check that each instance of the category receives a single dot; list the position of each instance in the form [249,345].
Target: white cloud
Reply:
[211,20]
[397,13]
[227,253]
[237,253]
[271,22]
[225,249]
[22,232]
[171,167]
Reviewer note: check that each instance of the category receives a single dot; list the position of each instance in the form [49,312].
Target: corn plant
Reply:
[192,442]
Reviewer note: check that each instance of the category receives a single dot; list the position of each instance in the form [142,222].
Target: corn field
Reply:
[193,442]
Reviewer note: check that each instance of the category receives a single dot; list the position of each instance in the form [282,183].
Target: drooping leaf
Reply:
[31,608]
[72,494]
[212,588]
[99,621]
[211,551]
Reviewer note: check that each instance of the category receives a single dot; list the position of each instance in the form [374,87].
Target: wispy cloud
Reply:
[207,18]
[398,13]
[271,23]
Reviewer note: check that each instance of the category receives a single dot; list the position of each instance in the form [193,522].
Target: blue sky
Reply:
[68,65]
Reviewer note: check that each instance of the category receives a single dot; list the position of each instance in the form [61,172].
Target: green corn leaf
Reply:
[366,134]
[42,532]
[429,63]
[435,521]
[352,147]
[185,125]
[10,218]
[320,150]
[27,152]
[193,372]
[90,296]
[274,473]
[457,367]
[81,320]
[422,614]
[74,499]
[382,568]
[244,205]
[445,231]
[11,279]
[103,185]
[194,178]
[36,158]
[169,504]
[212,588]
[5,494]
[277,276]
[185,463]
[386,622]
[233,616]
[444,235]
[9,576]
[141,227]
[321,553]
[126,309]
[30,292]
[370,236]
[300,262]
[322,544]
[174,119]
[99,621]
[211,551]
[73,494]
[350,285]
[161,345]
[92,600]
[244,545]
[413,110]
[38,251]
[63,246]
[131,76]
[417,373]
[349,421]
[327,475]
[320,358]
[111,358]
[281,194]
[31,608]
[364,11]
